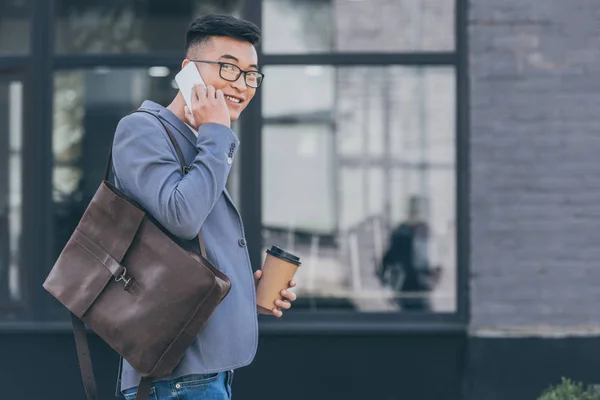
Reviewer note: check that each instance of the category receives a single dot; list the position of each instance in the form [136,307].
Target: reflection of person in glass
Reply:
[405,265]
[147,169]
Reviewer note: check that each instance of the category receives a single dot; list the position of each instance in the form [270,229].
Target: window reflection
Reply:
[317,26]
[88,104]
[297,26]
[11,131]
[359,180]
[114,26]
[14,26]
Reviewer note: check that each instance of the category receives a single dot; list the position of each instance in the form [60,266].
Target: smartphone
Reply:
[186,79]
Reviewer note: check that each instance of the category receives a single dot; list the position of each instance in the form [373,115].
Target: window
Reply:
[359,181]
[11,132]
[352,140]
[88,104]
[113,26]
[321,26]
[14,26]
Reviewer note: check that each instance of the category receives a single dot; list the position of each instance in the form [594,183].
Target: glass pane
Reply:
[11,132]
[317,26]
[305,151]
[87,107]
[14,26]
[114,26]
[359,181]
[297,26]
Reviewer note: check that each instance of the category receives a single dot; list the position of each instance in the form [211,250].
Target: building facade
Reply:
[431,162]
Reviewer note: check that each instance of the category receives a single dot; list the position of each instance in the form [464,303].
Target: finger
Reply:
[198,92]
[283,304]
[292,283]
[194,100]
[220,96]
[188,116]
[258,274]
[277,313]
[210,92]
[289,295]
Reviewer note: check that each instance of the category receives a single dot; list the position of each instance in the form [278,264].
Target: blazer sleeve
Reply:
[146,165]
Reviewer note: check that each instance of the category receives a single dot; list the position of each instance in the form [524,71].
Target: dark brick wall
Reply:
[535,182]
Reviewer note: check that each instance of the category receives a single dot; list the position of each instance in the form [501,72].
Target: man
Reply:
[405,265]
[147,169]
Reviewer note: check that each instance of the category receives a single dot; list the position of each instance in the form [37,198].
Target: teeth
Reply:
[232,99]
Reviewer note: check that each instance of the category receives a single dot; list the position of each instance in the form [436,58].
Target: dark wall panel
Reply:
[520,369]
[44,366]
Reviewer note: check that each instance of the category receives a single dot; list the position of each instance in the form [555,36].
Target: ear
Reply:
[184,63]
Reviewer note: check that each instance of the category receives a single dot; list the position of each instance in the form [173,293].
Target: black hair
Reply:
[202,29]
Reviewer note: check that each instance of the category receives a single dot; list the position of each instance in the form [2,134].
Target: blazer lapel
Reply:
[229,199]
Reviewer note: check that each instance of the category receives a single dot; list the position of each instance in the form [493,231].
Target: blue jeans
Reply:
[215,386]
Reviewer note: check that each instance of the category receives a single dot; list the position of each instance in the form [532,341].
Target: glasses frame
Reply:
[241,71]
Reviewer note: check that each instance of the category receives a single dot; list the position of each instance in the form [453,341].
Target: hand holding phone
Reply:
[204,104]
[186,79]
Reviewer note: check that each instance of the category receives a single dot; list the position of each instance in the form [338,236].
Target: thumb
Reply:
[189,116]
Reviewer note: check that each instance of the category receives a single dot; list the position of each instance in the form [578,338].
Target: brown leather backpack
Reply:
[122,275]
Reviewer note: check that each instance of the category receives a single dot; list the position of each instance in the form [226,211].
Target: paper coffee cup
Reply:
[278,270]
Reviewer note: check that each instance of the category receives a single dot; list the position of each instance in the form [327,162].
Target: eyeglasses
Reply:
[231,72]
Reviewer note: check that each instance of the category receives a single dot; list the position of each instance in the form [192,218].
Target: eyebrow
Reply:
[233,58]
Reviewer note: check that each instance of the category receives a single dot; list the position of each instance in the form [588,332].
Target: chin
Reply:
[234,115]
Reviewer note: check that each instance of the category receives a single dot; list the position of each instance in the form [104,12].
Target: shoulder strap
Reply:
[85,362]
[83,352]
[184,168]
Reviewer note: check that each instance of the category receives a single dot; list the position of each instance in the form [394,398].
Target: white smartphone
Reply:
[186,79]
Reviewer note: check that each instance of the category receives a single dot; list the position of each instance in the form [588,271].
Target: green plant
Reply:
[569,390]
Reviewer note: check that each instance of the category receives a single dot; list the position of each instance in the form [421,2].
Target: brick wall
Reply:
[535,164]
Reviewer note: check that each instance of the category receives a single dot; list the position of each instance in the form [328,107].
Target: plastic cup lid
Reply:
[284,255]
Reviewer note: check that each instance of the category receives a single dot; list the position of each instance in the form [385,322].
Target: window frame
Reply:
[323,321]
[42,62]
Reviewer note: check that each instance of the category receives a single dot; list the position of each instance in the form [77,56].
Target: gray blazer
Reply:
[147,170]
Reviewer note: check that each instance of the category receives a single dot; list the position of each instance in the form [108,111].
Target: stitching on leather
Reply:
[86,249]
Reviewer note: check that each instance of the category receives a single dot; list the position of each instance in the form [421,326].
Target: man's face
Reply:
[232,51]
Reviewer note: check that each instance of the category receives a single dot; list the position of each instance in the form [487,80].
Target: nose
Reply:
[240,83]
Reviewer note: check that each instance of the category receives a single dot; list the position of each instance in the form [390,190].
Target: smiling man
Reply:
[147,169]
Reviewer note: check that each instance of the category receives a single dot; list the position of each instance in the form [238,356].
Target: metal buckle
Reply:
[126,280]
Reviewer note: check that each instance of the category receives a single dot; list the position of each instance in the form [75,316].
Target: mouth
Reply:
[233,99]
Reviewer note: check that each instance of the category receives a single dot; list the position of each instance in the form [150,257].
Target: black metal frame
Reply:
[36,251]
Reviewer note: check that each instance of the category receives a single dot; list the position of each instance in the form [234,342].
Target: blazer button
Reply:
[242,242]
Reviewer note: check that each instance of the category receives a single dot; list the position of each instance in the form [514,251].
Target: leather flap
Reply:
[77,279]
[95,251]
[111,221]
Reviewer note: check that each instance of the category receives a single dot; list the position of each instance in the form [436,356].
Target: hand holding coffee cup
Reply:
[274,281]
